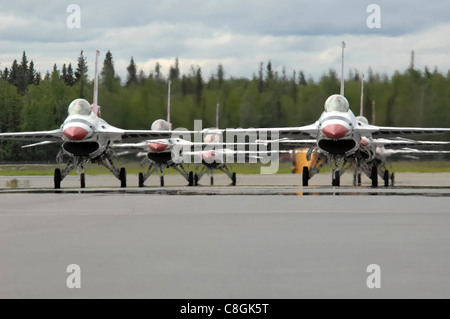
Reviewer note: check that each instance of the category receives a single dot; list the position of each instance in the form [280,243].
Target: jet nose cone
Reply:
[335,131]
[75,133]
[208,155]
[157,147]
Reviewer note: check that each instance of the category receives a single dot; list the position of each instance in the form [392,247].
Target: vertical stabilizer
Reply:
[217,115]
[95,108]
[362,96]
[342,70]
[168,106]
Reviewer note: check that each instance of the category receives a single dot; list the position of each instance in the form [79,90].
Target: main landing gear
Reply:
[78,163]
[154,167]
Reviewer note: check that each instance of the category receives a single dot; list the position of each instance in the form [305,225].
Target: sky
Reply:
[239,34]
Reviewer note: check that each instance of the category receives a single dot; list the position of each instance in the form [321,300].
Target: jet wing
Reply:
[407,142]
[386,131]
[406,150]
[39,136]
[283,132]
[140,135]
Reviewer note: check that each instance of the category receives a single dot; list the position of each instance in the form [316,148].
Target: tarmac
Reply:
[261,239]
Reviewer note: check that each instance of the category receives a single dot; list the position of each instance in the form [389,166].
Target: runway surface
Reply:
[258,240]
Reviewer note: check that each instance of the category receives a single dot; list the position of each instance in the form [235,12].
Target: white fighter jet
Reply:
[85,137]
[337,137]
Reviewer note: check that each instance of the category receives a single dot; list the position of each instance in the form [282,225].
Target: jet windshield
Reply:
[213,137]
[160,125]
[336,103]
[79,107]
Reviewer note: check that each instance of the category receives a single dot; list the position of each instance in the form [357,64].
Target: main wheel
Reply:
[374,176]
[191,178]
[141,180]
[354,178]
[82,181]
[305,176]
[162,181]
[392,179]
[337,178]
[123,177]
[233,179]
[57,179]
[386,178]
[195,179]
[359,179]
[212,180]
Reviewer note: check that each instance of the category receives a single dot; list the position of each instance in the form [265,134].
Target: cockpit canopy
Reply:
[160,125]
[213,138]
[79,107]
[336,103]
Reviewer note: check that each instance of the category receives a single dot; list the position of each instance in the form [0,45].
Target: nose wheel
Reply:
[374,176]
[123,177]
[233,179]
[305,176]
[191,178]
[82,180]
[336,179]
[57,178]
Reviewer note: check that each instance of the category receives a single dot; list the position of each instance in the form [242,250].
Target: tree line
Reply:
[32,102]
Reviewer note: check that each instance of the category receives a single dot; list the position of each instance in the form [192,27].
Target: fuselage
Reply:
[337,133]
[82,131]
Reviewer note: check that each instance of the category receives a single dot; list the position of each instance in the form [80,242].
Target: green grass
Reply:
[247,168]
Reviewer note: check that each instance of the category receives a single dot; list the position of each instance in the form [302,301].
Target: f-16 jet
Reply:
[336,137]
[85,138]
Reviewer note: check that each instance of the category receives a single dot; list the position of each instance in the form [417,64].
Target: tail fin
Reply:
[168,106]
[217,115]
[362,96]
[95,107]
[342,71]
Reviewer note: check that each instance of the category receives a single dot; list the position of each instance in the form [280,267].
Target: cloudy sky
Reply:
[239,34]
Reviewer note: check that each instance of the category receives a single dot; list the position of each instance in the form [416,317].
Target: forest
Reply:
[32,102]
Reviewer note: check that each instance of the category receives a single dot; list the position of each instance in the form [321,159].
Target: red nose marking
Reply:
[364,142]
[75,133]
[157,147]
[335,131]
[208,155]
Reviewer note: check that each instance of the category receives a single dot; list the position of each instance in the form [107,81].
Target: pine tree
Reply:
[132,73]
[174,72]
[108,73]
[269,76]
[55,73]
[23,74]
[81,73]
[32,74]
[220,74]
[64,73]
[198,86]
[37,78]
[70,77]
[14,73]
[302,80]
[5,74]
[158,76]
[260,78]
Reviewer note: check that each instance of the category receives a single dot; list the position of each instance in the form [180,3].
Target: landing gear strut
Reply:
[305,176]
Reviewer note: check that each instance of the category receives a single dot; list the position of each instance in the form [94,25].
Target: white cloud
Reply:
[239,34]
